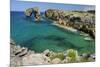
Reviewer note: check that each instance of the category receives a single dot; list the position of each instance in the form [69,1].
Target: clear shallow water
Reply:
[41,36]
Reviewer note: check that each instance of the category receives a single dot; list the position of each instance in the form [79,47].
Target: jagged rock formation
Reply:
[28,12]
[83,21]
[35,11]
[22,56]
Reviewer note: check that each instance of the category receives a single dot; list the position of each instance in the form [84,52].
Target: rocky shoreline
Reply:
[86,35]
[81,21]
[64,27]
[24,56]
[35,11]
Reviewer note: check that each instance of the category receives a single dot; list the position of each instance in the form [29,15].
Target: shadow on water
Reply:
[61,42]
[55,38]
[29,19]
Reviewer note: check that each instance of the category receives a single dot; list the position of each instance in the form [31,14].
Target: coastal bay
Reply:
[51,33]
[41,36]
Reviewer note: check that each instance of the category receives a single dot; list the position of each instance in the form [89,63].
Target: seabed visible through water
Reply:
[43,35]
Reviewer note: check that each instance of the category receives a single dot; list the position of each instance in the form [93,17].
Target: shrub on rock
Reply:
[73,54]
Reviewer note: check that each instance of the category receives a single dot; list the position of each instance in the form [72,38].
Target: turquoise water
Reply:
[40,36]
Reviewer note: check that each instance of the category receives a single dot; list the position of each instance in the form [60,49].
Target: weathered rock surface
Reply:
[22,56]
[35,11]
[82,21]
[56,61]
[28,12]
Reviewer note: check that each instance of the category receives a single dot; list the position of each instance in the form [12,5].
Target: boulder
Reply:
[46,52]
[28,12]
[56,61]
[34,59]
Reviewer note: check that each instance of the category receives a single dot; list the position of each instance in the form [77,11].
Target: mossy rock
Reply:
[58,55]
[89,59]
[73,54]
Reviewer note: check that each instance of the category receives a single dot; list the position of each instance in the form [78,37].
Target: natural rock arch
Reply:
[35,11]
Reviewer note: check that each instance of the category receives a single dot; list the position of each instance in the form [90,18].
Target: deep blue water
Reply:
[42,35]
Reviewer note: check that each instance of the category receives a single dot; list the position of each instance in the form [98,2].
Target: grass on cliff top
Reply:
[77,13]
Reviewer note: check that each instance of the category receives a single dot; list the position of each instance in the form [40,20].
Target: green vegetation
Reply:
[84,59]
[72,54]
[69,56]
[57,55]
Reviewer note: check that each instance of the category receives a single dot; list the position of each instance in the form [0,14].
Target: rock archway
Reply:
[35,11]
